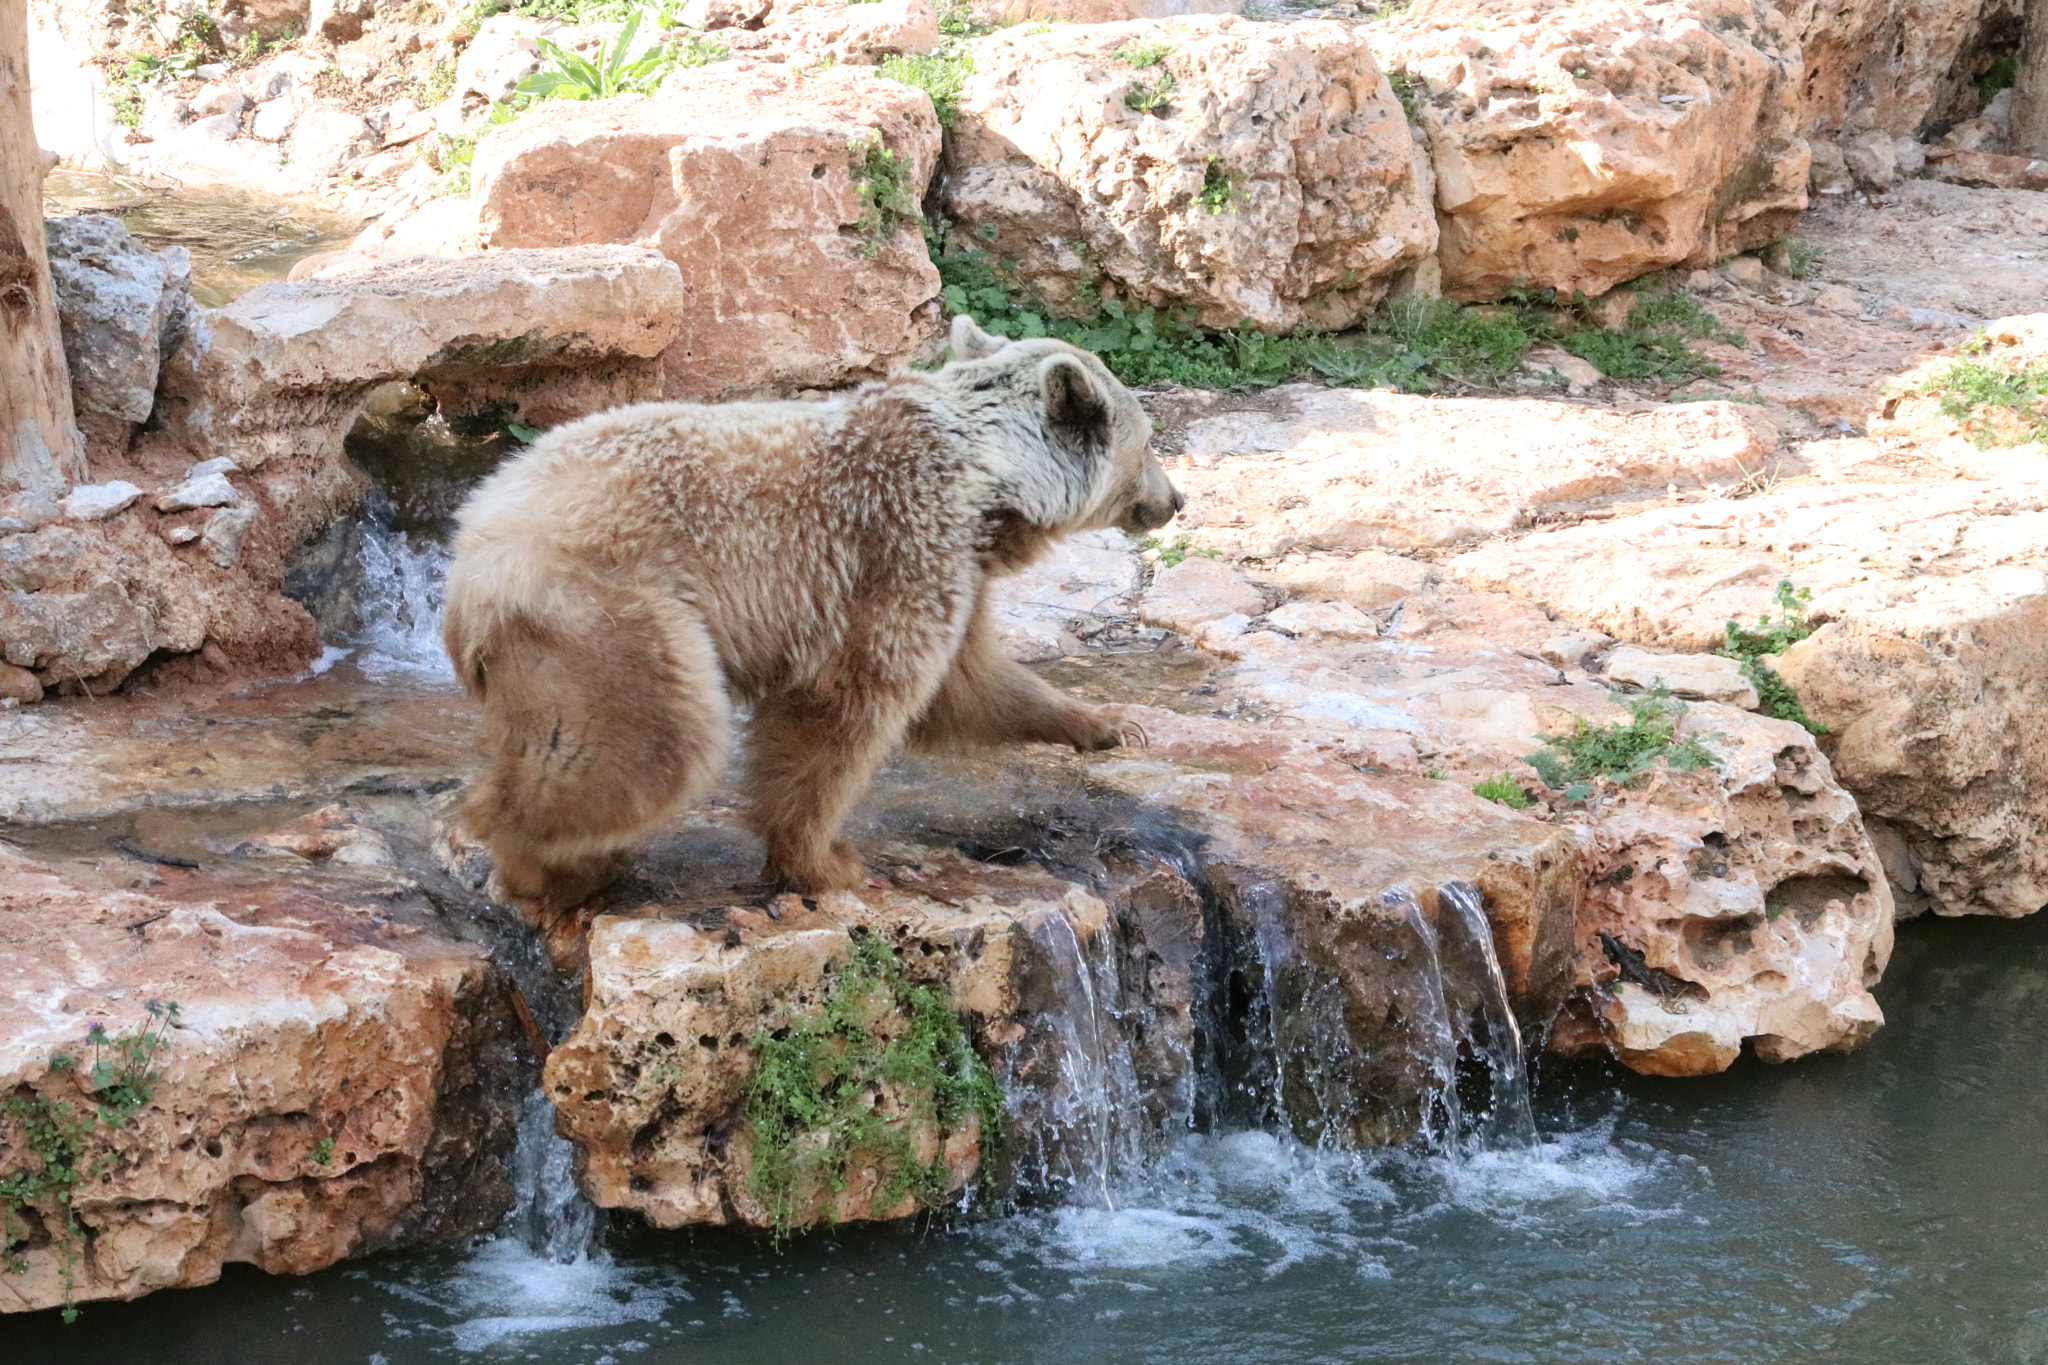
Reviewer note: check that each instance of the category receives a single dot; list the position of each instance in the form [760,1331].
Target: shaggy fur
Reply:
[617,587]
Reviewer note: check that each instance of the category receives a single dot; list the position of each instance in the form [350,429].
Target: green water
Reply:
[237,240]
[1883,1207]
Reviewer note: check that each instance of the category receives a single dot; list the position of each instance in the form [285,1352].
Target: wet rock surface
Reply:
[139,573]
[339,1076]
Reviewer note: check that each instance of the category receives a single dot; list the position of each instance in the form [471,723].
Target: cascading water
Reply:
[1431,1020]
[403,584]
[1086,1129]
[1509,1122]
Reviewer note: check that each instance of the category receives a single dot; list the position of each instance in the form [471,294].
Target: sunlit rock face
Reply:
[787,198]
[1931,603]
[1241,171]
[1580,144]
[336,1078]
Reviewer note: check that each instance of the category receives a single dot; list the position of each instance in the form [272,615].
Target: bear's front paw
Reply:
[1099,730]
[839,868]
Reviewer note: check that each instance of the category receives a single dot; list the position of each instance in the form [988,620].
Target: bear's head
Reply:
[1086,462]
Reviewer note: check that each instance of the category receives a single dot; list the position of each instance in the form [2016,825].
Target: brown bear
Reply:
[618,587]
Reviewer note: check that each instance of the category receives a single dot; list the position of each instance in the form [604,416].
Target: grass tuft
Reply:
[818,1101]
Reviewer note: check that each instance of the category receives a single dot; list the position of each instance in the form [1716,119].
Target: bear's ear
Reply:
[1076,408]
[971,343]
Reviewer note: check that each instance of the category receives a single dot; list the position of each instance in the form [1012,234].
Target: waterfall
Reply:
[1431,1019]
[1087,1129]
[551,1217]
[1510,1121]
[404,581]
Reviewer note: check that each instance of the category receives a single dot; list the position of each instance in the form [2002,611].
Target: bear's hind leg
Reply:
[603,712]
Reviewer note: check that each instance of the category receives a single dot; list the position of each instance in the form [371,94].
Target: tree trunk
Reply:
[39,443]
[2030,89]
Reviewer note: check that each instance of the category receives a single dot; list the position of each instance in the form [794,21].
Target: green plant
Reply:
[883,180]
[125,102]
[1504,790]
[1148,55]
[956,20]
[1773,633]
[1176,551]
[49,1144]
[1655,342]
[323,1151]
[2000,75]
[1803,257]
[436,85]
[1147,97]
[1622,750]
[942,75]
[1410,91]
[880,1062]
[1997,403]
[452,157]
[1222,189]
[575,77]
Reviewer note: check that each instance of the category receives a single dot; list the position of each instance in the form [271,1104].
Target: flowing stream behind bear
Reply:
[1882,1205]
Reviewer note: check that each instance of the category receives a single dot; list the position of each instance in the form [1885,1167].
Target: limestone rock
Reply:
[1346,470]
[326,1089]
[1340,619]
[1276,180]
[1711,856]
[1717,891]
[1704,677]
[862,32]
[19,685]
[1930,602]
[329,341]
[98,501]
[1371,580]
[1003,13]
[1835,298]
[205,490]
[788,199]
[1199,589]
[1893,66]
[113,301]
[1986,170]
[223,534]
[1580,143]
[27,511]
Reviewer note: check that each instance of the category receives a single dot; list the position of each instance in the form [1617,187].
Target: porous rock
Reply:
[1930,603]
[1275,182]
[116,300]
[787,198]
[1580,143]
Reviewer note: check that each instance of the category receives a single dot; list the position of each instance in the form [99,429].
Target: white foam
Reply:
[506,1291]
[1138,1239]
